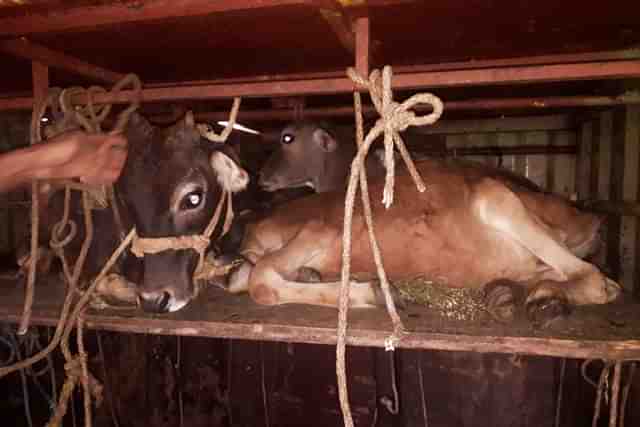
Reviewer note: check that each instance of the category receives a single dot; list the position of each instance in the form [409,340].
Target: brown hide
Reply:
[474,225]
[312,156]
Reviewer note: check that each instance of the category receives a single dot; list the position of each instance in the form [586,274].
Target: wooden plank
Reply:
[564,166]
[23,48]
[585,334]
[504,124]
[630,188]
[616,195]
[604,143]
[583,167]
[537,164]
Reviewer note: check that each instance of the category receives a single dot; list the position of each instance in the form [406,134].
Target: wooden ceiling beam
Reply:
[23,48]
[88,17]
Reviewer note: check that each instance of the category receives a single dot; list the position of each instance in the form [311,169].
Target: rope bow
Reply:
[394,118]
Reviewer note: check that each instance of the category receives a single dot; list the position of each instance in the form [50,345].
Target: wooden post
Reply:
[583,169]
[616,195]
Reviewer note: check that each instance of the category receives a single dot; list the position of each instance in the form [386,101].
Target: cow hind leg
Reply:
[275,279]
[580,282]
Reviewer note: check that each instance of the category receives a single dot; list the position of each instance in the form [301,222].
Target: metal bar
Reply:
[505,75]
[86,17]
[23,48]
[446,66]
[190,92]
[569,58]
[362,29]
[468,105]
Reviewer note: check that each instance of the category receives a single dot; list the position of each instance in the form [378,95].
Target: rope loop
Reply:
[222,136]
[394,118]
[58,239]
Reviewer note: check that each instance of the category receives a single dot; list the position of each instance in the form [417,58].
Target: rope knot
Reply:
[395,118]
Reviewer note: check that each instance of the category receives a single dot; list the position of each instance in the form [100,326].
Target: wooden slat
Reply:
[630,188]
[586,334]
[506,124]
[583,167]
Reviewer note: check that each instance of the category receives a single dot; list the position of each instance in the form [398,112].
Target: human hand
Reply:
[94,159]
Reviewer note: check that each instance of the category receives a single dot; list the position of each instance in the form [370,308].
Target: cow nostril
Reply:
[163,301]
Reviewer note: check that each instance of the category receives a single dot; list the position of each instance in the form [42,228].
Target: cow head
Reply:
[308,155]
[171,185]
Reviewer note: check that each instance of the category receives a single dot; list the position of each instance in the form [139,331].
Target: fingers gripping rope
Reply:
[394,118]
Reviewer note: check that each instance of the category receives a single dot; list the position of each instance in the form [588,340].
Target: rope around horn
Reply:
[394,118]
[199,242]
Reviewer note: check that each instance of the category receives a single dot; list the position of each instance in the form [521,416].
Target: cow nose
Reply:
[156,302]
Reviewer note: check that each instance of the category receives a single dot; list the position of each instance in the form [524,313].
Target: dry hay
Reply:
[452,303]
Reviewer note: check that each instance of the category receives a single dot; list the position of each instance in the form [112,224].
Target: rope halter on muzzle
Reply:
[200,242]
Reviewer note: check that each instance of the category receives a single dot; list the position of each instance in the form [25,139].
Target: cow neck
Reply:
[140,246]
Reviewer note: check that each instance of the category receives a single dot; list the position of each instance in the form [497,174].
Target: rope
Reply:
[394,118]
[603,387]
[199,242]
[90,118]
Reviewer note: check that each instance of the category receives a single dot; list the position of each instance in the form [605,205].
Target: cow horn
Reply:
[189,120]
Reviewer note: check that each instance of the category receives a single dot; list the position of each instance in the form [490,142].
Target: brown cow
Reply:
[472,227]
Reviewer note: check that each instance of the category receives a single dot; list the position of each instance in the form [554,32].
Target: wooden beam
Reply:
[506,124]
[332,13]
[23,48]
[88,17]
[588,332]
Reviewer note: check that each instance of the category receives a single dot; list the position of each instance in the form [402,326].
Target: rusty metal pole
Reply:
[362,28]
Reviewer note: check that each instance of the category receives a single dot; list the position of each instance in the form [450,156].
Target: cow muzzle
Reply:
[163,301]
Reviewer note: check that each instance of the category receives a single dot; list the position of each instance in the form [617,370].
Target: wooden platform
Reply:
[611,332]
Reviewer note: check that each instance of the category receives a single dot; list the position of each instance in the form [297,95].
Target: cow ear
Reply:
[230,175]
[325,141]
[189,120]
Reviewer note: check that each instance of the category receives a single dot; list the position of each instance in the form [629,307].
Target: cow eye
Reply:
[287,138]
[192,200]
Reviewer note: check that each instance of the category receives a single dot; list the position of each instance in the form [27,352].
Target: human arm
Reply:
[94,159]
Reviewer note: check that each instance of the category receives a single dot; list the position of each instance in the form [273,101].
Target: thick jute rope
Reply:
[606,385]
[198,242]
[394,118]
[76,367]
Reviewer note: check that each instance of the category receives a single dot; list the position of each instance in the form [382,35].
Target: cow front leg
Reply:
[274,278]
[579,282]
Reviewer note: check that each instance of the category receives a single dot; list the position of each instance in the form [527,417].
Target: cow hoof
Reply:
[400,303]
[308,275]
[544,311]
[503,297]
[613,289]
